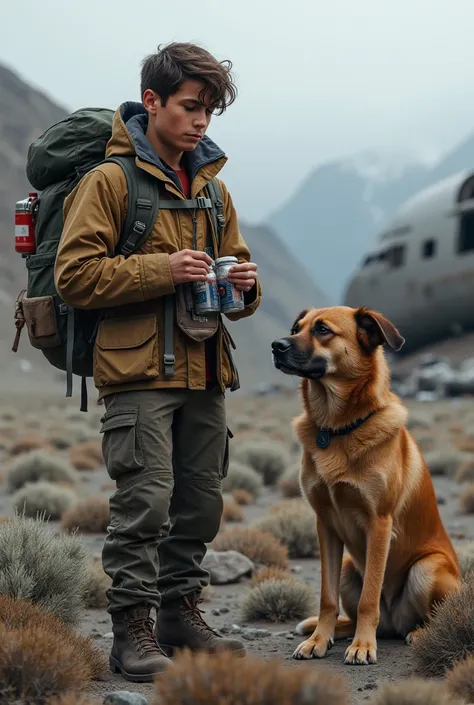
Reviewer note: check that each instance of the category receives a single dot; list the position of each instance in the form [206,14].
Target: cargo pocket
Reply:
[126,350]
[121,443]
[41,322]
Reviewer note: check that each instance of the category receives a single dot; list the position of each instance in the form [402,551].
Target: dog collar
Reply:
[323,439]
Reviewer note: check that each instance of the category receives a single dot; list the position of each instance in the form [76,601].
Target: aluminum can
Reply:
[206,294]
[232,300]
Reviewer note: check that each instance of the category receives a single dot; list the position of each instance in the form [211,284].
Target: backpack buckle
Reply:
[203,202]
[139,227]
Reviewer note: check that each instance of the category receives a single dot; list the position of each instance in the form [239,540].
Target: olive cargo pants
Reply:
[167,451]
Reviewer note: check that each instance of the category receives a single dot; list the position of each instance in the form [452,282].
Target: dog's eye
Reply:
[321,329]
[294,330]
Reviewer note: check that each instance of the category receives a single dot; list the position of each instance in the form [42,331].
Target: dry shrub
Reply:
[449,634]
[38,565]
[289,483]
[466,499]
[271,573]
[243,423]
[242,497]
[39,465]
[90,515]
[58,437]
[444,462]
[241,477]
[87,455]
[222,678]
[460,680]
[232,512]
[8,413]
[270,460]
[466,472]
[22,614]
[43,498]
[294,527]
[29,443]
[464,443]
[418,421]
[97,583]
[73,700]
[260,547]
[414,691]
[466,559]
[279,601]
[426,443]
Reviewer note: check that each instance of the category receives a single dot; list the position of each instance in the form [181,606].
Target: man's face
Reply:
[183,121]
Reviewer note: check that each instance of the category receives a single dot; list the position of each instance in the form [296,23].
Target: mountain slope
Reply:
[26,113]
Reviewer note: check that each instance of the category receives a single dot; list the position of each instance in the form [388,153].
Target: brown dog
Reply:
[364,476]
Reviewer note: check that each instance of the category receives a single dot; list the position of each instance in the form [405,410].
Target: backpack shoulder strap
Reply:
[143,205]
[214,192]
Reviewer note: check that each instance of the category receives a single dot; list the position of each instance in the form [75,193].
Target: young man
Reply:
[165,438]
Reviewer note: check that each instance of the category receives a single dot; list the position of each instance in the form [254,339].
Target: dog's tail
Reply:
[307,626]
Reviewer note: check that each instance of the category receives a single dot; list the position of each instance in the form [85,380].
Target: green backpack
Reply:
[56,162]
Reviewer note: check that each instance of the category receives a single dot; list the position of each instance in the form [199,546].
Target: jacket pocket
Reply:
[41,322]
[121,443]
[126,350]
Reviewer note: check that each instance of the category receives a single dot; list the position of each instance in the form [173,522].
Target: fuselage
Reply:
[420,272]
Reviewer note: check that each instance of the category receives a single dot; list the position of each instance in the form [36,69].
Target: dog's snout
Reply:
[281,345]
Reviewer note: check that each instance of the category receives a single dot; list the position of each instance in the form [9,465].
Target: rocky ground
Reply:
[445,430]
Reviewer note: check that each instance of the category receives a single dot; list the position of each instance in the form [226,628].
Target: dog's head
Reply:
[339,341]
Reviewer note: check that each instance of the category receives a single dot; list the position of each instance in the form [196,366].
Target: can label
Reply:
[230,296]
[206,296]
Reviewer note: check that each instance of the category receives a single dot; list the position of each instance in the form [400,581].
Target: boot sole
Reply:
[116,667]
[170,651]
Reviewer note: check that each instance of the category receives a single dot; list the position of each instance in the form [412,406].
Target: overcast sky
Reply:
[318,79]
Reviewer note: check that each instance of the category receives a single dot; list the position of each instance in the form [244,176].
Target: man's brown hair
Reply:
[165,72]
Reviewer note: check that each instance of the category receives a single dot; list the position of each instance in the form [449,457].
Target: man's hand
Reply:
[243,276]
[189,266]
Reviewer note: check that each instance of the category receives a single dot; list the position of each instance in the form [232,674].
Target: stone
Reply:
[125,697]
[227,567]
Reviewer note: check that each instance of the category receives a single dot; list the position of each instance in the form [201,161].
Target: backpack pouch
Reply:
[41,322]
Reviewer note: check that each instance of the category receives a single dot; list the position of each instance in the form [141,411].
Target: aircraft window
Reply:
[396,256]
[428,249]
[466,233]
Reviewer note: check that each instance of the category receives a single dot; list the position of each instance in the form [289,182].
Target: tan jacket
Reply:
[129,345]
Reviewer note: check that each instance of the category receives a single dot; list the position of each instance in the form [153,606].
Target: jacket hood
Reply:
[129,137]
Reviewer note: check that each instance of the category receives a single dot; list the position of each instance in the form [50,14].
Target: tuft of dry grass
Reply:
[466,472]
[242,477]
[466,559]
[97,583]
[48,569]
[243,497]
[87,455]
[289,483]
[268,459]
[39,465]
[279,601]
[90,515]
[444,463]
[466,499]
[28,443]
[271,573]
[259,546]
[414,691]
[449,634]
[21,614]
[460,680]
[222,678]
[465,444]
[232,512]
[43,498]
[294,527]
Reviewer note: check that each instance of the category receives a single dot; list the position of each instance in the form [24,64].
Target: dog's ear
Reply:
[374,329]
[298,318]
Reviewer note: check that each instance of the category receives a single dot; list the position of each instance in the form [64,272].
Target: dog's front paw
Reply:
[361,653]
[314,647]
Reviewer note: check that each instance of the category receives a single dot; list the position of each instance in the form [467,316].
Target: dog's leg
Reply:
[322,639]
[363,649]
[430,580]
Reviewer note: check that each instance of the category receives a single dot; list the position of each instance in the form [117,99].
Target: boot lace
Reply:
[140,627]
[193,615]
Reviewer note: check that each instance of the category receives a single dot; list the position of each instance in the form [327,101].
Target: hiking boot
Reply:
[135,653]
[180,625]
